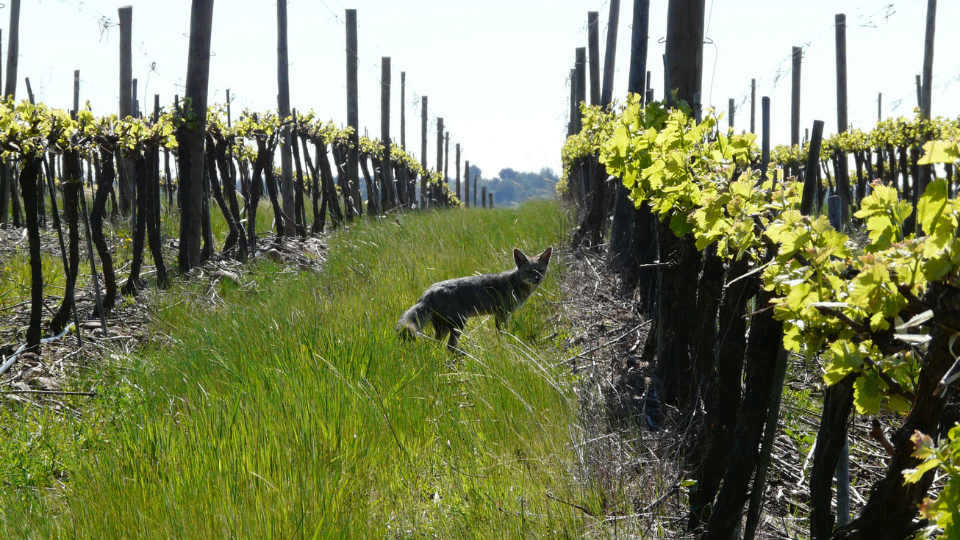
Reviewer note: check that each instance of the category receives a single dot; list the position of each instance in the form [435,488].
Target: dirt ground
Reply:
[634,445]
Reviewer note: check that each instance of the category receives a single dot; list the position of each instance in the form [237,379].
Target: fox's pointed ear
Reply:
[519,257]
[545,256]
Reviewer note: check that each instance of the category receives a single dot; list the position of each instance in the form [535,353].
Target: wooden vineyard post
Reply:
[732,108]
[474,191]
[879,106]
[842,172]
[765,144]
[388,189]
[795,103]
[439,147]
[483,196]
[491,200]
[633,231]
[581,78]
[457,192]
[841,31]
[8,179]
[753,105]
[446,157]
[593,42]
[13,50]
[5,188]
[126,97]
[283,103]
[403,110]
[423,152]
[684,47]
[919,83]
[606,95]
[30,98]
[191,143]
[466,184]
[76,90]
[354,205]
[133,99]
[683,62]
[572,123]
[638,47]
[927,88]
[810,187]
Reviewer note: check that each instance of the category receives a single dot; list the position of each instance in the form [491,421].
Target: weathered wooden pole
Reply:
[483,196]
[126,101]
[795,98]
[30,91]
[683,61]
[126,62]
[732,109]
[283,103]
[353,117]
[572,124]
[5,186]
[457,192]
[490,195]
[466,184]
[13,50]
[919,92]
[581,78]
[684,47]
[927,94]
[753,105]
[810,171]
[593,42]
[841,31]
[133,98]
[446,157]
[765,143]
[439,168]
[423,153]
[403,110]
[76,90]
[609,60]
[843,179]
[630,231]
[191,145]
[879,106]
[638,47]
[474,191]
[388,188]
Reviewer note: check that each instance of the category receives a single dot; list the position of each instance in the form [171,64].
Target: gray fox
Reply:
[448,304]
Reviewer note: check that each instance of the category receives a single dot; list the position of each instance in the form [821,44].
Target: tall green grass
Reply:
[292,411]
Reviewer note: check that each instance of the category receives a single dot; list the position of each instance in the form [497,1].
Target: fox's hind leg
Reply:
[456,330]
[442,328]
[454,338]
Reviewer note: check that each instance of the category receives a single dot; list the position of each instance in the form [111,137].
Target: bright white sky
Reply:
[495,70]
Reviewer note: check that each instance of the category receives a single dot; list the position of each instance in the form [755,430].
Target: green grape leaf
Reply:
[866,393]
[939,152]
[911,476]
[899,404]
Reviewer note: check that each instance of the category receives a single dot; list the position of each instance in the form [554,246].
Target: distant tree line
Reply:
[511,187]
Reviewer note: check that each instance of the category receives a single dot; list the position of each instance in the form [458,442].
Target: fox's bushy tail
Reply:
[412,321]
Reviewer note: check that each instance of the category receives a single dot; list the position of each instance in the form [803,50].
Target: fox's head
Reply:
[532,269]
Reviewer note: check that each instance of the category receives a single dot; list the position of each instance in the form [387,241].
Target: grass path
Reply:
[294,412]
